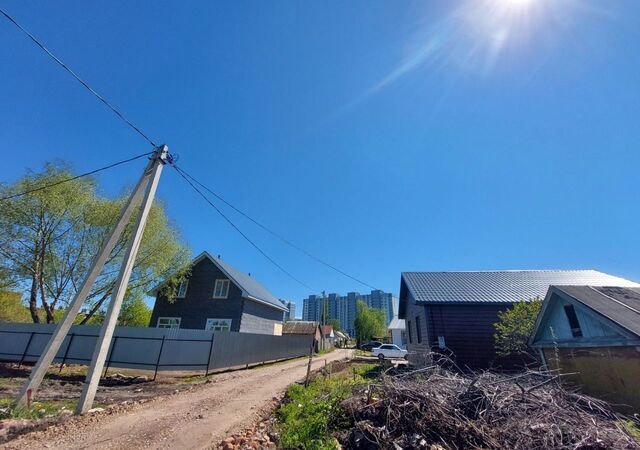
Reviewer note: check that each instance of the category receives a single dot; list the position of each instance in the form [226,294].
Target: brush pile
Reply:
[437,409]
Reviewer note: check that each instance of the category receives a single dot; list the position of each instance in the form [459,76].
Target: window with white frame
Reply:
[221,289]
[181,292]
[218,325]
[168,322]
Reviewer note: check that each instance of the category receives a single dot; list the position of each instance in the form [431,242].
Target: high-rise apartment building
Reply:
[343,307]
[291,313]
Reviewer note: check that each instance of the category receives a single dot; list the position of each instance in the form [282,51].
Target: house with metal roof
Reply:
[592,335]
[454,312]
[217,296]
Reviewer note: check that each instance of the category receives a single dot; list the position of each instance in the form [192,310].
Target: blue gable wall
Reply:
[597,331]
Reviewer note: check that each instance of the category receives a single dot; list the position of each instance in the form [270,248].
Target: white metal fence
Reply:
[152,348]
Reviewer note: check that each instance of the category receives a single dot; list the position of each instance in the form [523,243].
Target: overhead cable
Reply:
[80,80]
[230,222]
[86,174]
[273,233]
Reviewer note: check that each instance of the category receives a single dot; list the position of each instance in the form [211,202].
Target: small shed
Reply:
[304,328]
[397,327]
[593,334]
[328,337]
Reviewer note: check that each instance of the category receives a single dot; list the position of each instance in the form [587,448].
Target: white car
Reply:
[389,351]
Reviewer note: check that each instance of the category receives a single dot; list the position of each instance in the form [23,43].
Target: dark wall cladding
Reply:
[468,331]
[148,348]
[199,304]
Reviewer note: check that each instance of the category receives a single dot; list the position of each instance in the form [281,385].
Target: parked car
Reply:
[370,345]
[389,351]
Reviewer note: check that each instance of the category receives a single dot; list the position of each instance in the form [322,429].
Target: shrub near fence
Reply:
[152,348]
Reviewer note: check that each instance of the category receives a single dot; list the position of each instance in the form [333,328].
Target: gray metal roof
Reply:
[619,304]
[251,287]
[499,286]
[300,327]
[397,324]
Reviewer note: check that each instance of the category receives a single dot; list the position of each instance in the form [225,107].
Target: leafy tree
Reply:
[335,323]
[5,278]
[369,323]
[514,327]
[12,309]
[30,226]
[48,240]
[134,313]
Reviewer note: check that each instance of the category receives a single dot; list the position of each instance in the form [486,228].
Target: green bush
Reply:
[514,327]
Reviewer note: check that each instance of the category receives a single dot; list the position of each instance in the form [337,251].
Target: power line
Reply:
[80,80]
[42,188]
[273,233]
[230,222]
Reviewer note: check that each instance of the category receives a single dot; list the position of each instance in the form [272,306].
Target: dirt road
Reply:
[196,419]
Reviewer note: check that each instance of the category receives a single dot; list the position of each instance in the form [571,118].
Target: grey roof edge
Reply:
[411,281]
[498,270]
[245,293]
[408,285]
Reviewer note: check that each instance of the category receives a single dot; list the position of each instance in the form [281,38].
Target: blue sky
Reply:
[380,136]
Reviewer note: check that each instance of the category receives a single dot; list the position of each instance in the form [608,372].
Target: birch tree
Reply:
[49,237]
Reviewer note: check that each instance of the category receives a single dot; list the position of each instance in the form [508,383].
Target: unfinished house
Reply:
[592,334]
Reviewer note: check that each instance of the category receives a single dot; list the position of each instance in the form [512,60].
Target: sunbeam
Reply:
[477,35]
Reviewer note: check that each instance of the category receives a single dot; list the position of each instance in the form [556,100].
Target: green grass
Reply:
[38,409]
[631,428]
[310,414]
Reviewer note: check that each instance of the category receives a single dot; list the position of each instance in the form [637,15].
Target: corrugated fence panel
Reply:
[151,348]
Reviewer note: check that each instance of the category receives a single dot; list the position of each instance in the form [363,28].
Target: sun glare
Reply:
[518,3]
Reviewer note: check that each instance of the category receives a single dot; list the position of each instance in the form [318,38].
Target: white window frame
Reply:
[185,283]
[169,325]
[218,324]
[222,292]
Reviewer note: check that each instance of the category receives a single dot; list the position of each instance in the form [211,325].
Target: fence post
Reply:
[306,381]
[66,352]
[113,347]
[206,373]
[155,374]
[26,349]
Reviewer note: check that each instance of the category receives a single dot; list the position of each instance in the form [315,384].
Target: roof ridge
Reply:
[502,271]
[500,286]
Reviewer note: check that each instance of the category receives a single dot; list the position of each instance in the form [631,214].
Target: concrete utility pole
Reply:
[147,185]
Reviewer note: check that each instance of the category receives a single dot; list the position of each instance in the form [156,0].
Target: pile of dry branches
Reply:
[434,408]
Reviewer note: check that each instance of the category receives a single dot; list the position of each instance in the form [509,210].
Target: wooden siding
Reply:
[609,373]
[597,331]
[199,304]
[468,333]
[259,318]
